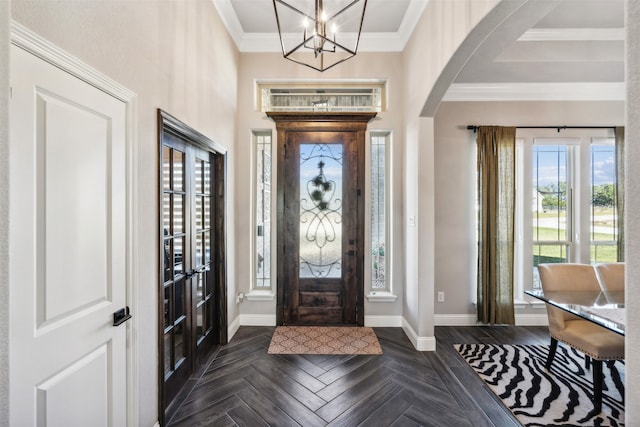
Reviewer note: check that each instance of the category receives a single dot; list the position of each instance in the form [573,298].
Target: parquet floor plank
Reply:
[242,385]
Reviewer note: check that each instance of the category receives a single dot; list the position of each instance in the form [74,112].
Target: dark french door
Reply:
[321,220]
[191,294]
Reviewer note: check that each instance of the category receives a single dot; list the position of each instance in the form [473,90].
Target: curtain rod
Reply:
[474,128]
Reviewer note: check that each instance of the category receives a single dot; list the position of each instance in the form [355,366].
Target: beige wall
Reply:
[177,56]
[455,170]
[255,67]
[632,207]
[5,8]
[443,27]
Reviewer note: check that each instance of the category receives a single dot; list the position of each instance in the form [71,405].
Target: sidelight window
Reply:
[262,218]
[379,250]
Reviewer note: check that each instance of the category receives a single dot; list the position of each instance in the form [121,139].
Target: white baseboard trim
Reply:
[420,343]
[471,320]
[233,328]
[455,320]
[258,320]
[157,424]
[532,320]
[374,321]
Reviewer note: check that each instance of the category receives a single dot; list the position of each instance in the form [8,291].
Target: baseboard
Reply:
[532,320]
[472,320]
[383,321]
[455,320]
[420,343]
[258,320]
[233,328]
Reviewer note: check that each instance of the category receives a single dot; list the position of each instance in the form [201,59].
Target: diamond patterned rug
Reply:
[324,340]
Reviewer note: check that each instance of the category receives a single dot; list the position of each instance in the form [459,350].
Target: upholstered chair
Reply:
[596,342]
[611,276]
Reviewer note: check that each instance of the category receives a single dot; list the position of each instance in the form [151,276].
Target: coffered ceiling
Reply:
[564,42]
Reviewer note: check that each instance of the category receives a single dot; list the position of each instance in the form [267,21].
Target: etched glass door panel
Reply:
[320,210]
[320,232]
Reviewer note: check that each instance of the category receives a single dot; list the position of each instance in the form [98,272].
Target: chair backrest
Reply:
[569,276]
[611,276]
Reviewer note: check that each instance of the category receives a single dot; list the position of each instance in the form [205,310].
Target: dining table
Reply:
[604,308]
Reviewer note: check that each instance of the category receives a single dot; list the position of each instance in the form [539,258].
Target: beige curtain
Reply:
[620,189]
[496,194]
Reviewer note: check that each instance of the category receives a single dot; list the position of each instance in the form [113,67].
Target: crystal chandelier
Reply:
[319,33]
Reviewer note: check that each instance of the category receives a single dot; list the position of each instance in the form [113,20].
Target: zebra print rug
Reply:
[539,397]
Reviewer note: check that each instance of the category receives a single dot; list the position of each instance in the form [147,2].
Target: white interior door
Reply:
[68,235]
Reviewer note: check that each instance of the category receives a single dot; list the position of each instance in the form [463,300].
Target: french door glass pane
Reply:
[178,247]
[321,210]
[199,213]
[179,342]
[167,354]
[178,171]
[178,213]
[166,168]
[200,327]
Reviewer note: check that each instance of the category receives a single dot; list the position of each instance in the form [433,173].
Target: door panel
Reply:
[322,227]
[192,284]
[68,247]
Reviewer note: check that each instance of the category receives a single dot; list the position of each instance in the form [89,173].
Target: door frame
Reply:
[170,124]
[23,38]
[319,122]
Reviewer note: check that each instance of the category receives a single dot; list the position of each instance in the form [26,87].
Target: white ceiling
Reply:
[546,41]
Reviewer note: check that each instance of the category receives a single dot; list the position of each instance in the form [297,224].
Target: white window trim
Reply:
[255,293]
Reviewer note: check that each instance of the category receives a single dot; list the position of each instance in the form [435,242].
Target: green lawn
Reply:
[556,253]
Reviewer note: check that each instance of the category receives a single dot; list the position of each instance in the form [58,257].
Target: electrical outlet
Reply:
[440,296]
[240,298]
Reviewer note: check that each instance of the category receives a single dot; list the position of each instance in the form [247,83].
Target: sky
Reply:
[551,163]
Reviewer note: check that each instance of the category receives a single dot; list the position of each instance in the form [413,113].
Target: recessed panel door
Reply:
[68,246]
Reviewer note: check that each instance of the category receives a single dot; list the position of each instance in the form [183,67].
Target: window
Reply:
[380,247]
[603,219]
[314,96]
[262,219]
[565,208]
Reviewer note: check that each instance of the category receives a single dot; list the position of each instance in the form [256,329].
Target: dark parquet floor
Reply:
[243,385]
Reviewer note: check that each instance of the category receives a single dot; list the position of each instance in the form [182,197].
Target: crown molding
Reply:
[369,42]
[461,92]
[572,34]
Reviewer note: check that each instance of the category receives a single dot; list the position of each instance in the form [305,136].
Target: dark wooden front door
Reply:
[321,228]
